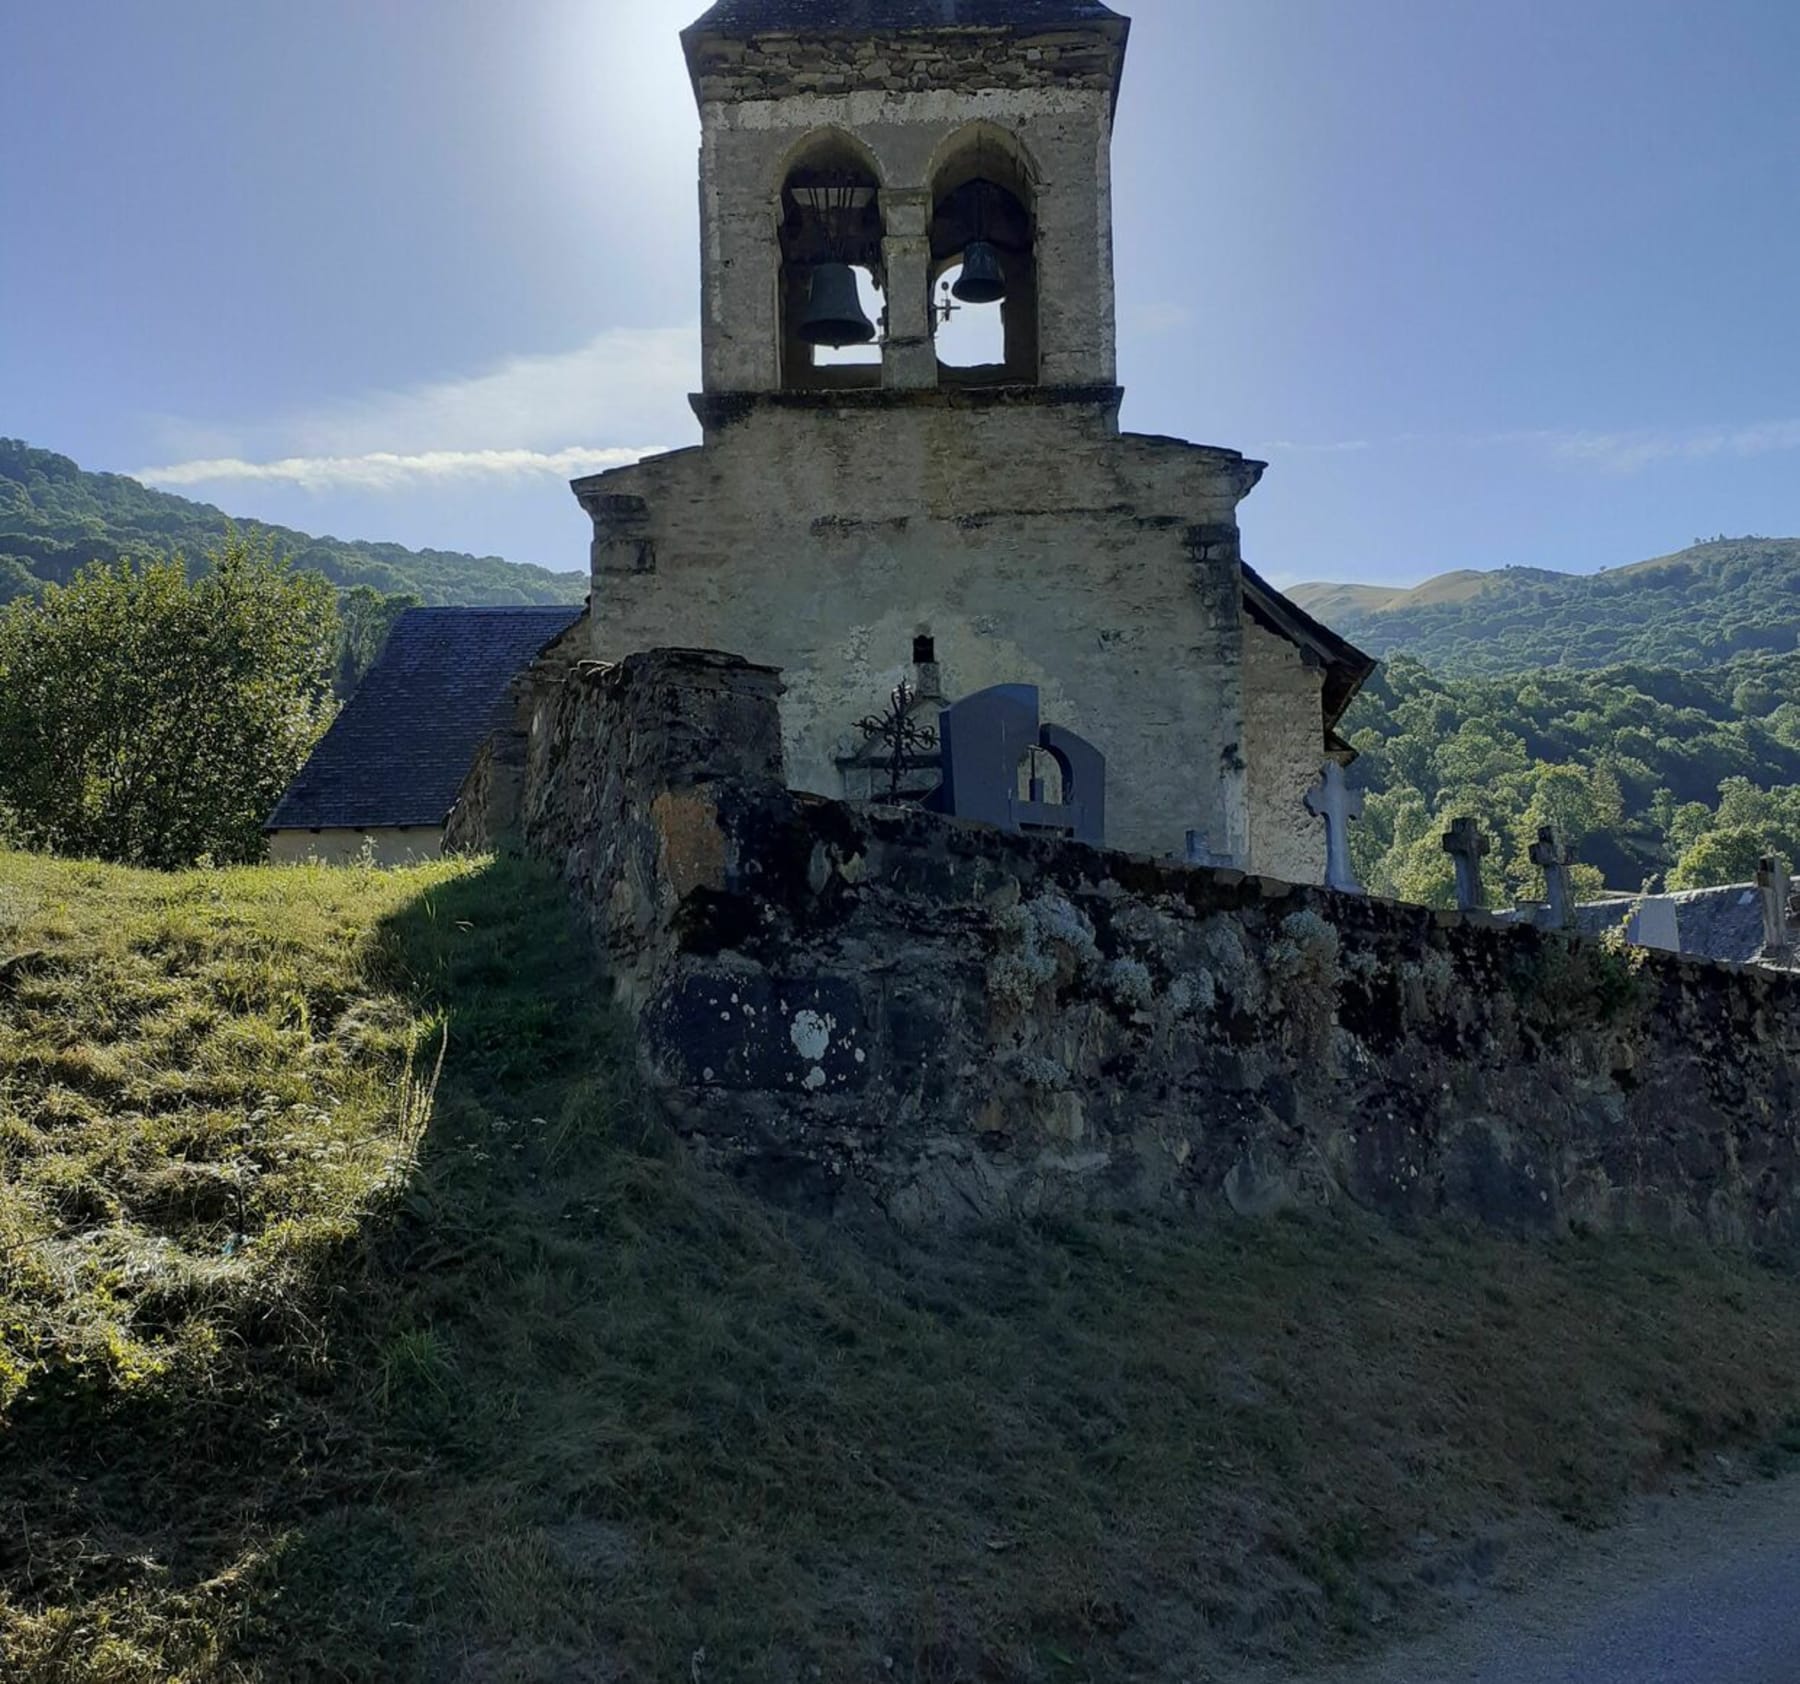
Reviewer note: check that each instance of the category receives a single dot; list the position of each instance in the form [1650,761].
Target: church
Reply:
[895,529]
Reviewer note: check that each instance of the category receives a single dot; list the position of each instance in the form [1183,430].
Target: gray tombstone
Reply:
[1332,800]
[1555,861]
[1655,923]
[1773,888]
[985,736]
[1465,844]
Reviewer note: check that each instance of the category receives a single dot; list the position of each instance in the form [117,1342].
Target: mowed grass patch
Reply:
[540,1400]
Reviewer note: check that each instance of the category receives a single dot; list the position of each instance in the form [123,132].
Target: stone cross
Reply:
[1773,886]
[1332,800]
[1555,861]
[1465,844]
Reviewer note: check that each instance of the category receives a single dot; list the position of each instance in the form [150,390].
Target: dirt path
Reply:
[1692,1589]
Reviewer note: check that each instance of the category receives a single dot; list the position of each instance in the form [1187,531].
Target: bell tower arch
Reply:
[916,141]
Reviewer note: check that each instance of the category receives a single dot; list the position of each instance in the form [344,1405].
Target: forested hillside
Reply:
[1703,607]
[55,517]
[1650,715]
[1646,771]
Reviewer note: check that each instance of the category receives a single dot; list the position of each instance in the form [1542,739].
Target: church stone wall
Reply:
[1028,539]
[1284,738]
[881,1008]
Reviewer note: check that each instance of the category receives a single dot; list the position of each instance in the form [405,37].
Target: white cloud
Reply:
[1622,452]
[1329,447]
[384,470]
[515,418]
[1627,452]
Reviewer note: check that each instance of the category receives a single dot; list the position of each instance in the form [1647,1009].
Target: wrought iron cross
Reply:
[894,730]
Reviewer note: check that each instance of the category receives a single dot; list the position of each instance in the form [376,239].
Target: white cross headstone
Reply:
[1332,800]
[1465,844]
[1555,861]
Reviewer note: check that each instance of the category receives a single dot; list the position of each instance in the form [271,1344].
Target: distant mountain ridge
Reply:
[1698,608]
[55,517]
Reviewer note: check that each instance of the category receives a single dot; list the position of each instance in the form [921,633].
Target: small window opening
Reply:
[1040,778]
[924,651]
[831,269]
[968,335]
[984,263]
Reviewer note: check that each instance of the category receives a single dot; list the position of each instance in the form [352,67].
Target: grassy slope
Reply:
[1698,608]
[1328,601]
[299,1389]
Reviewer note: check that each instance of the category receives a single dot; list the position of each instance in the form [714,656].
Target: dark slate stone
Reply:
[399,751]
[1723,923]
[734,18]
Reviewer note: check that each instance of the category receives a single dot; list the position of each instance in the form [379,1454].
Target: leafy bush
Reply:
[149,718]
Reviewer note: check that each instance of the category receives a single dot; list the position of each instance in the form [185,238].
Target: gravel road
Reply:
[1699,1589]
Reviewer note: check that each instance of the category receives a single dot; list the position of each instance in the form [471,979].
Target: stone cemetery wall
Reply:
[880,1007]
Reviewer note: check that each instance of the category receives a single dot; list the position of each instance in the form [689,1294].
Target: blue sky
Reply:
[1484,283]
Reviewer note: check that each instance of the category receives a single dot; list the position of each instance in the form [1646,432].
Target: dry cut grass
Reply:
[300,1390]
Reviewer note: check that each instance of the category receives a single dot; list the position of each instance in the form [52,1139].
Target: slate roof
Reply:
[734,18]
[1723,923]
[398,752]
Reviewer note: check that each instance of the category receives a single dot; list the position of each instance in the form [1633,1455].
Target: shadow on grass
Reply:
[217,1521]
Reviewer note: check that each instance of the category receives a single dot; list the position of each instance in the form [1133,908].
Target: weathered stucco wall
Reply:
[1284,743]
[1028,538]
[877,1007]
[407,845]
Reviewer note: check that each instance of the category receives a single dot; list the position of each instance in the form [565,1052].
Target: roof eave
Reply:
[1347,668]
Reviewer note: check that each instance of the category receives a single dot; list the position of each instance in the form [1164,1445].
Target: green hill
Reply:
[322,1359]
[55,517]
[1699,608]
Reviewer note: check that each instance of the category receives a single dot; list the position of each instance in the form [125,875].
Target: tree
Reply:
[152,719]
[1730,855]
[366,617]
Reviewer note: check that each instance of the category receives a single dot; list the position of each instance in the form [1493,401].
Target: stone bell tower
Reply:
[937,122]
[859,517]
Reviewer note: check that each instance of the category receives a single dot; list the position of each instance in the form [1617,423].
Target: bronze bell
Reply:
[982,280]
[834,313]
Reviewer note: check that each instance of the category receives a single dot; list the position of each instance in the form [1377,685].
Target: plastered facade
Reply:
[1282,710]
[1028,539]
[387,846]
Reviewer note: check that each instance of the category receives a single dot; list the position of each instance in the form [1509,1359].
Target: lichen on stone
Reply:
[1127,983]
[1229,963]
[1035,1071]
[1304,971]
[1041,942]
[1193,994]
